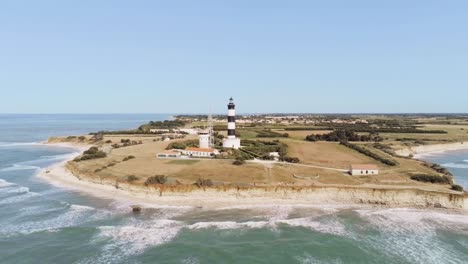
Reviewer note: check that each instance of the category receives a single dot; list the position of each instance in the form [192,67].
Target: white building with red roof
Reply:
[364,169]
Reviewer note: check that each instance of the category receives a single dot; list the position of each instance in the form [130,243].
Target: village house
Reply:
[364,169]
[200,152]
[169,154]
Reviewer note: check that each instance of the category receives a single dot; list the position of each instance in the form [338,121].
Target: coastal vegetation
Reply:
[91,153]
[157,179]
[204,182]
[369,153]
[131,178]
[128,158]
[457,188]
[166,124]
[344,135]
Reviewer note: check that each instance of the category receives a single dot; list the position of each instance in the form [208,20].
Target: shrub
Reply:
[157,179]
[343,135]
[81,138]
[457,188]
[91,153]
[239,161]
[91,150]
[132,178]
[108,141]
[97,170]
[128,158]
[111,164]
[431,178]
[290,159]
[204,183]
[369,153]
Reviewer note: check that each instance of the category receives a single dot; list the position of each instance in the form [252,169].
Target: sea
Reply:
[42,223]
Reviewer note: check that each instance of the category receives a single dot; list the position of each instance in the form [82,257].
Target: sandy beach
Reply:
[420,151]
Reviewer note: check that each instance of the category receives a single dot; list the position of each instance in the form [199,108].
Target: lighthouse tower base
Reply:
[233,143]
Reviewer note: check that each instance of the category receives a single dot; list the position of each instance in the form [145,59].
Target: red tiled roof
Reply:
[364,167]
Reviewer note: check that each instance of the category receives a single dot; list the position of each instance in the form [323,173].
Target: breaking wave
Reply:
[74,215]
[455,165]
[413,234]
[15,144]
[19,167]
[4,183]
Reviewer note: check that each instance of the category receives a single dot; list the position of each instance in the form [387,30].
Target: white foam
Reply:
[74,215]
[327,226]
[455,165]
[18,198]
[135,238]
[19,167]
[311,260]
[4,183]
[19,190]
[465,160]
[229,225]
[14,144]
[412,234]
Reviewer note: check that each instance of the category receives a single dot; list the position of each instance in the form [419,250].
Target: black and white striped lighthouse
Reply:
[231,141]
[231,119]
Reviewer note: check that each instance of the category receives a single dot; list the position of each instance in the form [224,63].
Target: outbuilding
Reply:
[200,152]
[364,169]
[169,154]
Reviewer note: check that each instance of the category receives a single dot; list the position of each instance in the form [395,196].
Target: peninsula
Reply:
[204,160]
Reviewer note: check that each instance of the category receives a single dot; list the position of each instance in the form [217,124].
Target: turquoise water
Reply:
[40,223]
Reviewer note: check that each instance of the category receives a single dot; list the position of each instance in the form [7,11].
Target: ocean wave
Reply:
[329,226]
[19,190]
[73,215]
[15,144]
[18,198]
[4,183]
[225,225]
[455,165]
[133,239]
[411,234]
[45,159]
[19,167]
[465,160]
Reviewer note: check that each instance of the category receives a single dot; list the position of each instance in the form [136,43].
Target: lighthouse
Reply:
[231,141]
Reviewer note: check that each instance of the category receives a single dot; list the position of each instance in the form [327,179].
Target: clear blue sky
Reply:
[271,56]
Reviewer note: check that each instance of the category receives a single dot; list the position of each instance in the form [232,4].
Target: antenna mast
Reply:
[211,130]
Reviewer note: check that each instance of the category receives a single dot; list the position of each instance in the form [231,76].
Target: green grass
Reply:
[247,133]
[182,162]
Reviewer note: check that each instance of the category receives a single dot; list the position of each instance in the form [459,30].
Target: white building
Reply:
[204,139]
[364,169]
[169,154]
[157,130]
[190,131]
[275,155]
[200,152]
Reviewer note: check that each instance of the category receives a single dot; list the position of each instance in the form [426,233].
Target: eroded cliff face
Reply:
[397,197]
